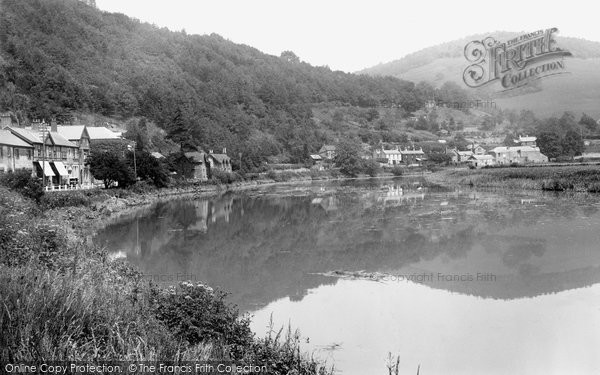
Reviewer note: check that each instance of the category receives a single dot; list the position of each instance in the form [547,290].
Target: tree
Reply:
[589,123]
[348,158]
[178,132]
[509,140]
[149,168]
[371,167]
[550,144]
[110,167]
[572,144]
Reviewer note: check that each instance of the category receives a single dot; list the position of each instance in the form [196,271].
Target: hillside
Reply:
[578,92]
[61,58]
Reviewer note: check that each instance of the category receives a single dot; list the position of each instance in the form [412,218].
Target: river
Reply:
[458,281]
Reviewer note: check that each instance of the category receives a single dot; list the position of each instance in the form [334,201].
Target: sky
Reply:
[352,35]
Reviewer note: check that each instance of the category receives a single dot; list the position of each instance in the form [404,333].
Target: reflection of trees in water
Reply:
[261,249]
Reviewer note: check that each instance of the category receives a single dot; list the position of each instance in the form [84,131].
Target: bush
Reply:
[196,314]
[22,182]
[142,187]
[397,171]
[371,167]
[222,177]
[59,199]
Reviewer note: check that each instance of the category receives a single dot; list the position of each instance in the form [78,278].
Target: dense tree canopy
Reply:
[62,56]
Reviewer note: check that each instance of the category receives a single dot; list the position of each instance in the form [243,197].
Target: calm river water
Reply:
[475,282]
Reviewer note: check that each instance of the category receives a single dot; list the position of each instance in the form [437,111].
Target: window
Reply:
[16,153]
[1,151]
[29,152]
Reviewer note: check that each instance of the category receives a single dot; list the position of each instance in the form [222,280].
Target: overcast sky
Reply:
[351,35]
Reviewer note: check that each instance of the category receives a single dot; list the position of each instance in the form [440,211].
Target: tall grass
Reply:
[576,178]
[61,300]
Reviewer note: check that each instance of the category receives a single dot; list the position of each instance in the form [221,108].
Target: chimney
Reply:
[53,126]
[224,150]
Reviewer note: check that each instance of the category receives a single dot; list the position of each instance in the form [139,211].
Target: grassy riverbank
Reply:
[584,178]
[61,297]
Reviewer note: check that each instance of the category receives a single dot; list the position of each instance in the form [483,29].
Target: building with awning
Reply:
[46,167]
[60,170]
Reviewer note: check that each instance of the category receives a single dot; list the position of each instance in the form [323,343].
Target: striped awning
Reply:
[60,168]
[47,168]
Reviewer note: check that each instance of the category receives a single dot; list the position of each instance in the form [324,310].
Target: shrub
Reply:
[371,167]
[397,171]
[22,182]
[222,177]
[196,314]
[65,199]
[142,187]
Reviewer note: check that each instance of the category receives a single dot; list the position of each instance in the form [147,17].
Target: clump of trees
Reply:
[349,159]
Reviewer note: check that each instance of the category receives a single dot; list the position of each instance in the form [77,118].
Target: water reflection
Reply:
[262,247]
[484,267]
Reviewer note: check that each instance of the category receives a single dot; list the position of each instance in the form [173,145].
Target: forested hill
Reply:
[59,57]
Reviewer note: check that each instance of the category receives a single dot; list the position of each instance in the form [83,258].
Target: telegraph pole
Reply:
[43,154]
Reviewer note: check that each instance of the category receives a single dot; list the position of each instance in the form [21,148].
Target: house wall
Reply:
[15,158]
[522,157]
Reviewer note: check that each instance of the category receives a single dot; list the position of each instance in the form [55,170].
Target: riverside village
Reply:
[245,187]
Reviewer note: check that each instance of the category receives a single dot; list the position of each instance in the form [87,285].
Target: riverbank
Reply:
[584,178]
[64,299]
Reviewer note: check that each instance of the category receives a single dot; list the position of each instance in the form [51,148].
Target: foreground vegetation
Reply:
[64,299]
[584,178]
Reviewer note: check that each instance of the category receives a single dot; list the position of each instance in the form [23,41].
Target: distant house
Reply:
[157,155]
[15,154]
[5,120]
[317,161]
[79,135]
[463,156]
[55,157]
[413,156]
[454,156]
[477,149]
[518,154]
[391,157]
[100,133]
[478,161]
[199,169]
[327,152]
[526,141]
[219,162]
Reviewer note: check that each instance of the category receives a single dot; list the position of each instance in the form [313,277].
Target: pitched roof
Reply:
[71,132]
[100,132]
[196,156]
[316,157]
[412,152]
[9,139]
[482,157]
[515,148]
[220,157]
[26,135]
[527,139]
[157,155]
[390,152]
[327,148]
[59,140]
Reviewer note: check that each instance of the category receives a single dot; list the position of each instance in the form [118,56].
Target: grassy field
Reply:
[585,178]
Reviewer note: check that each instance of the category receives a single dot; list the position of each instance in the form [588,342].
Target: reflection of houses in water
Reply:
[396,196]
[327,203]
[201,208]
[221,209]
[485,198]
